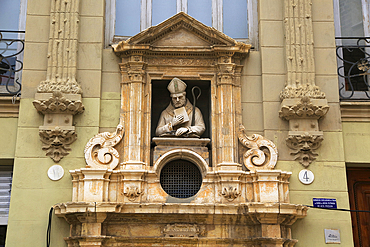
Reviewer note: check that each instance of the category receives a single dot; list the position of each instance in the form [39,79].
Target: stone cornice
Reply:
[355,111]
[252,208]
[9,107]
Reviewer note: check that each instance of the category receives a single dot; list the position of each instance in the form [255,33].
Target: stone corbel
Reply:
[57,132]
[304,134]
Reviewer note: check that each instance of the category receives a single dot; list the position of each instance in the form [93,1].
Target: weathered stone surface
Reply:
[233,205]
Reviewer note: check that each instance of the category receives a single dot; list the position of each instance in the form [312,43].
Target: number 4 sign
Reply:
[306,176]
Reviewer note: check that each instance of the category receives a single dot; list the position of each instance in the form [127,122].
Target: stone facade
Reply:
[272,112]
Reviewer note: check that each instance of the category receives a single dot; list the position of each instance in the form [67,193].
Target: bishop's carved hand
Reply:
[177,120]
[181,131]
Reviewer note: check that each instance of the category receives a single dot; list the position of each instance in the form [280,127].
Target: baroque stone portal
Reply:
[126,204]
[180,118]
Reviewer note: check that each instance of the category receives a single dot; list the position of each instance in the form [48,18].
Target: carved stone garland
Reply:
[302,101]
[59,96]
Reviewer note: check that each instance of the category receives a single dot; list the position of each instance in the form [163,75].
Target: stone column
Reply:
[134,107]
[228,112]
[59,96]
[302,101]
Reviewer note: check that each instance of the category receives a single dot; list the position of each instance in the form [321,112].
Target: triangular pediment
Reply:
[179,31]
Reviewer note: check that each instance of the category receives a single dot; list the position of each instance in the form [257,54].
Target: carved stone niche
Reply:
[304,134]
[121,183]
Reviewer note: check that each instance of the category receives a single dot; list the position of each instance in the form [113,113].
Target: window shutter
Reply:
[5,190]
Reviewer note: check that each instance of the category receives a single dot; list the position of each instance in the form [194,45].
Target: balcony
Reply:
[11,65]
[353,57]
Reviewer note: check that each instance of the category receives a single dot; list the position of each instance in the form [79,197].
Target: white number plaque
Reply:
[55,172]
[306,176]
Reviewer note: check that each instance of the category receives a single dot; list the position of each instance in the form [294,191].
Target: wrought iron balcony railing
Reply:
[11,65]
[353,55]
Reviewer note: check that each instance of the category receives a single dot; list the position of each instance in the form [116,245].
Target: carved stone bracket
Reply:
[56,142]
[261,154]
[304,146]
[99,151]
[57,132]
[304,134]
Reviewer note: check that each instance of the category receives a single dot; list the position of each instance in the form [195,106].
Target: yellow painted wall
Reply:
[263,79]
[356,137]
[8,128]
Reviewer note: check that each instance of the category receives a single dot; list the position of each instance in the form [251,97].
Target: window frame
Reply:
[146,19]
[21,36]
[338,33]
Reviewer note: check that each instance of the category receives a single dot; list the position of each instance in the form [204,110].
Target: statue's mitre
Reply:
[176,86]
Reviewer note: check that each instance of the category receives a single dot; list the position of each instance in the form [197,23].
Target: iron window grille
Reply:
[181,179]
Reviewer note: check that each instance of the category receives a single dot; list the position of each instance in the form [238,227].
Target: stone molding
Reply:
[190,226]
[56,142]
[255,158]
[355,111]
[9,107]
[100,151]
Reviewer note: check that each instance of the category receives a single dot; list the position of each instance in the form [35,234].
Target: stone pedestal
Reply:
[163,145]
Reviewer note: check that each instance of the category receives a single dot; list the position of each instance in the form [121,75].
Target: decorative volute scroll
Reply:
[302,101]
[100,151]
[59,96]
[255,157]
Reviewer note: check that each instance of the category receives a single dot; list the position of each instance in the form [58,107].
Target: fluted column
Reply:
[62,50]
[302,101]
[228,112]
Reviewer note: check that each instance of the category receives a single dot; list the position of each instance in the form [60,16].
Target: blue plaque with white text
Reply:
[324,203]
